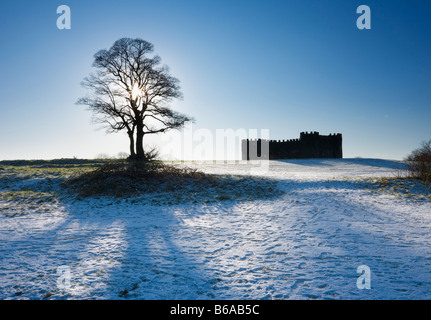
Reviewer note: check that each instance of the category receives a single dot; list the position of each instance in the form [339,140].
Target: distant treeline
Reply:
[63,161]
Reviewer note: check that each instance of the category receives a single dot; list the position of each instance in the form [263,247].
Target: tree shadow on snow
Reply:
[131,251]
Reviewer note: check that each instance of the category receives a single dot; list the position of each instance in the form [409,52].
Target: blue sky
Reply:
[286,66]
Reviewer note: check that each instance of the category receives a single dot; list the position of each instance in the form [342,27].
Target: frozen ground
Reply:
[306,244]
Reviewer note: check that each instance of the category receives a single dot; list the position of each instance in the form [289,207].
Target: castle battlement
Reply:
[309,145]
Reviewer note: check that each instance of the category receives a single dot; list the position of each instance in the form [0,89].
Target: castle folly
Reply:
[309,145]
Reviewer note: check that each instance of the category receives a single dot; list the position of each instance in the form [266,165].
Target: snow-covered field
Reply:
[306,244]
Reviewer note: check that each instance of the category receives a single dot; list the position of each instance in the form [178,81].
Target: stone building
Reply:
[309,145]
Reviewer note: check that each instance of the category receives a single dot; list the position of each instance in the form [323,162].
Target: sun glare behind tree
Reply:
[136,92]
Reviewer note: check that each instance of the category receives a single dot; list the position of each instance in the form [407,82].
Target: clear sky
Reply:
[286,66]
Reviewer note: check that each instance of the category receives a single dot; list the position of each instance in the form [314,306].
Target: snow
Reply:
[306,244]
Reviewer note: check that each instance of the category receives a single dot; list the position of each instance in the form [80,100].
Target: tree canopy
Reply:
[131,91]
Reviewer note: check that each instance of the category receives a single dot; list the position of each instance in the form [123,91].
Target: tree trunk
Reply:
[140,154]
[132,144]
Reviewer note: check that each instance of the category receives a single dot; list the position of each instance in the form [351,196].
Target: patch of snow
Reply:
[306,244]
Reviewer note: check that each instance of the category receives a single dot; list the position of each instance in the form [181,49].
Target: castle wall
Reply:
[309,145]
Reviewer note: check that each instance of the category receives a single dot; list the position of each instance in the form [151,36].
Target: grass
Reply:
[46,169]
[406,187]
[20,202]
[28,196]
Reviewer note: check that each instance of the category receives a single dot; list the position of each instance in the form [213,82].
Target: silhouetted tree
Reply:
[131,91]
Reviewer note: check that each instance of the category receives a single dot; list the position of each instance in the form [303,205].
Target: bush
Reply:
[419,163]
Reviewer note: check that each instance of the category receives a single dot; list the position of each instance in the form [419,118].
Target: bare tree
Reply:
[419,162]
[131,91]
